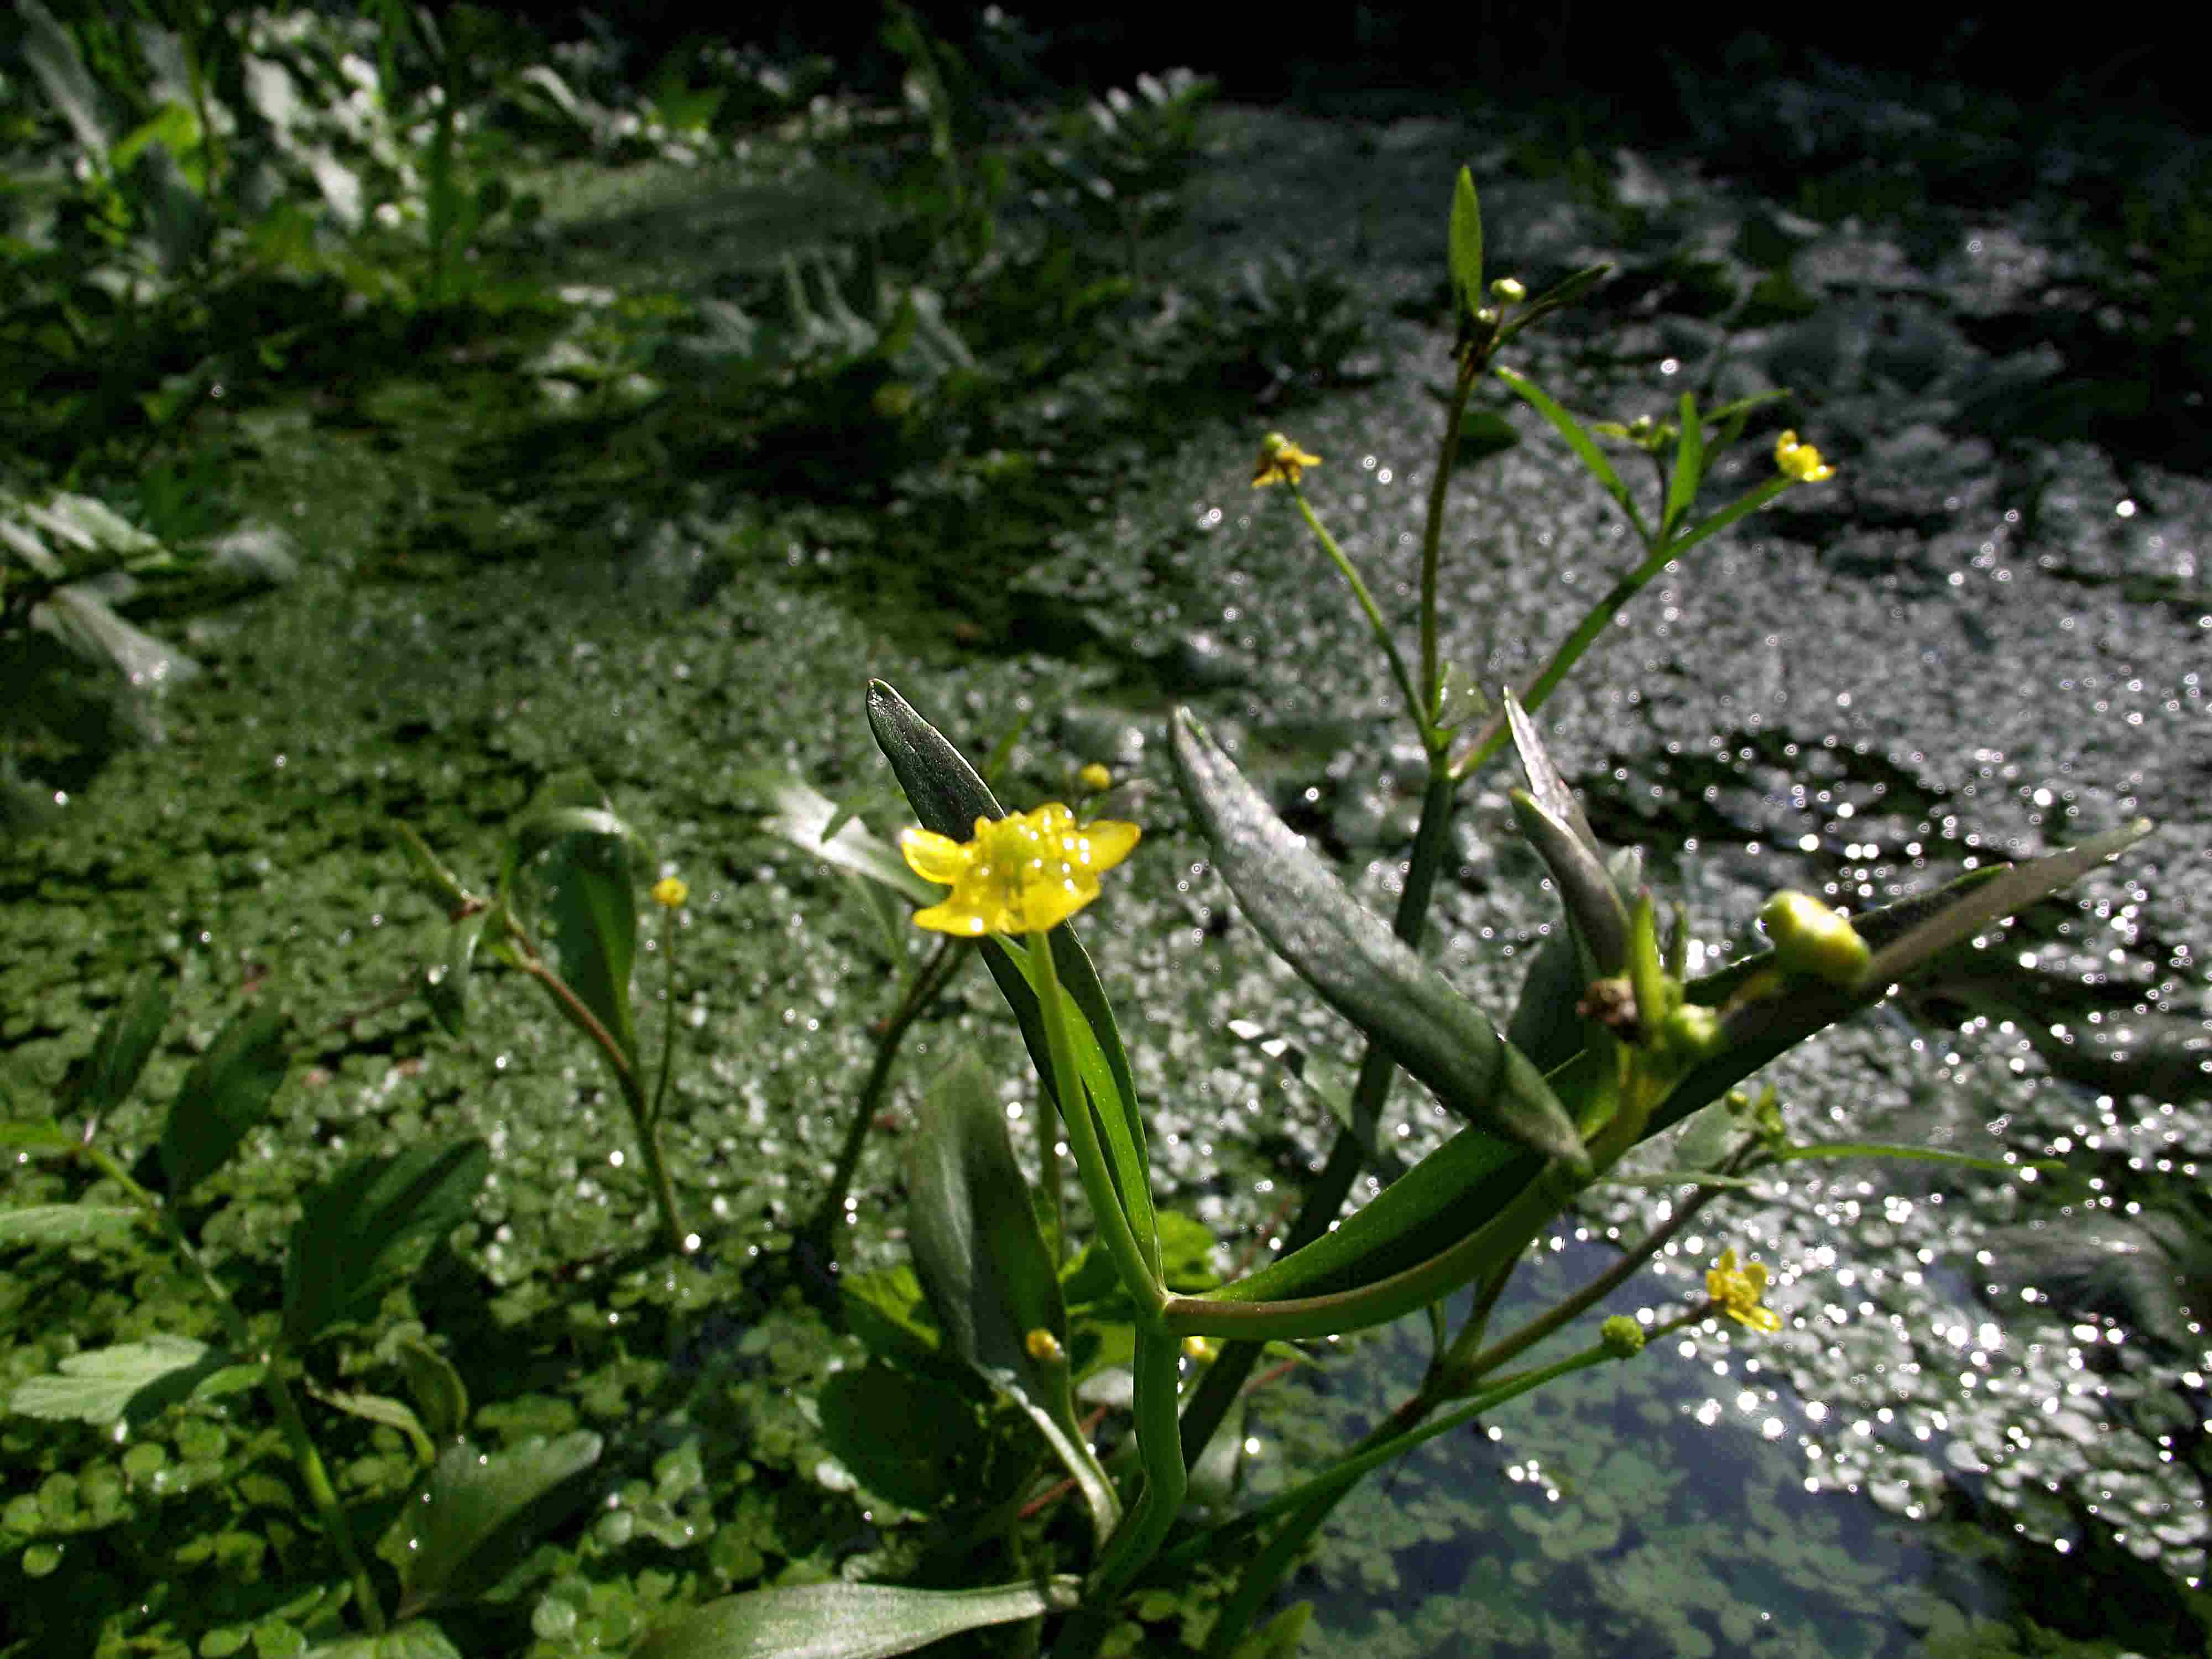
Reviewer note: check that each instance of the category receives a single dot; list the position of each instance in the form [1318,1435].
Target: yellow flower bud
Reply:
[1280,461]
[671,891]
[1043,1346]
[1200,1350]
[1801,461]
[1814,940]
[1095,778]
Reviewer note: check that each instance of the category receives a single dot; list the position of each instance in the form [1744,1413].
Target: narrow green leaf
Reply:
[225,1094]
[576,854]
[105,1077]
[1557,297]
[1465,248]
[482,1514]
[1676,1178]
[380,1409]
[1592,905]
[46,1225]
[439,884]
[1580,442]
[1743,507]
[36,1135]
[441,1398]
[989,1277]
[445,984]
[1689,465]
[847,1622]
[133,1380]
[369,1227]
[1914,1155]
[948,798]
[1356,964]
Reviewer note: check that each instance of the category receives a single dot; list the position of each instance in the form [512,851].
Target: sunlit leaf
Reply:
[847,1621]
[133,1380]
[483,1512]
[46,1225]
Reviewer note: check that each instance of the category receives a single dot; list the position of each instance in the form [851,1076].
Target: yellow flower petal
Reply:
[1022,874]
[1801,461]
[671,891]
[1281,461]
[1738,1291]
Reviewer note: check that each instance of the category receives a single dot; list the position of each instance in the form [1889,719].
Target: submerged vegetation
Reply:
[496,1166]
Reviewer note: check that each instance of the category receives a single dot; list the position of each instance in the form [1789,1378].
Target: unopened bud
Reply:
[1095,778]
[1622,1336]
[1043,1346]
[1509,290]
[1814,940]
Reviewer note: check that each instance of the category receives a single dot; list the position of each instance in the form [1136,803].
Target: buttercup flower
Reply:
[1094,778]
[1738,1290]
[1801,461]
[1280,461]
[1022,874]
[671,891]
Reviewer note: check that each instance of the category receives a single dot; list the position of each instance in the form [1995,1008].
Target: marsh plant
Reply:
[1036,1294]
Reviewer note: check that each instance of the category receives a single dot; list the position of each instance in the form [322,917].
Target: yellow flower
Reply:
[1738,1290]
[1200,1350]
[671,890]
[1801,461]
[1043,1346]
[1095,778]
[1023,874]
[1280,461]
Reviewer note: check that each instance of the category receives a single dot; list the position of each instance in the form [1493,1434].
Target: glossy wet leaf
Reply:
[225,1094]
[482,1513]
[105,1077]
[43,1226]
[132,1380]
[1356,963]
[983,1262]
[847,1621]
[369,1227]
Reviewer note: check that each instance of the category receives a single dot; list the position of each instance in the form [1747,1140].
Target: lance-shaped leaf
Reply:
[1689,470]
[948,798]
[369,1227]
[1356,964]
[578,850]
[1465,250]
[989,1277]
[482,1514]
[445,984]
[1594,906]
[847,1621]
[226,1093]
[816,825]
[105,1077]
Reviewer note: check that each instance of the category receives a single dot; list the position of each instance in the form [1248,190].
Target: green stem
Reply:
[642,1116]
[1432,532]
[1107,1214]
[1416,705]
[1146,1523]
[1309,1505]
[921,990]
[305,1455]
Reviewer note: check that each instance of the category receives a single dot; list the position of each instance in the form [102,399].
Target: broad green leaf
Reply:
[989,1277]
[418,1639]
[1465,251]
[225,1094]
[105,1077]
[369,1227]
[1580,442]
[1359,966]
[441,1398]
[132,1380]
[847,1621]
[576,852]
[482,1514]
[46,1225]
[911,1440]
[808,821]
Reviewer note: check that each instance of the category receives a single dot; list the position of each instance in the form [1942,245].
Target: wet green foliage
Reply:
[766,383]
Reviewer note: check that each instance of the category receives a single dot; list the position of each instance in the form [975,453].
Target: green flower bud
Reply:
[1814,940]
[1692,1031]
[1622,1336]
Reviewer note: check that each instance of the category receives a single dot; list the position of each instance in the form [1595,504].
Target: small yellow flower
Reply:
[671,891]
[1043,1346]
[1023,874]
[1280,461]
[1801,461]
[1738,1290]
[1095,778]
[1200,1350]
